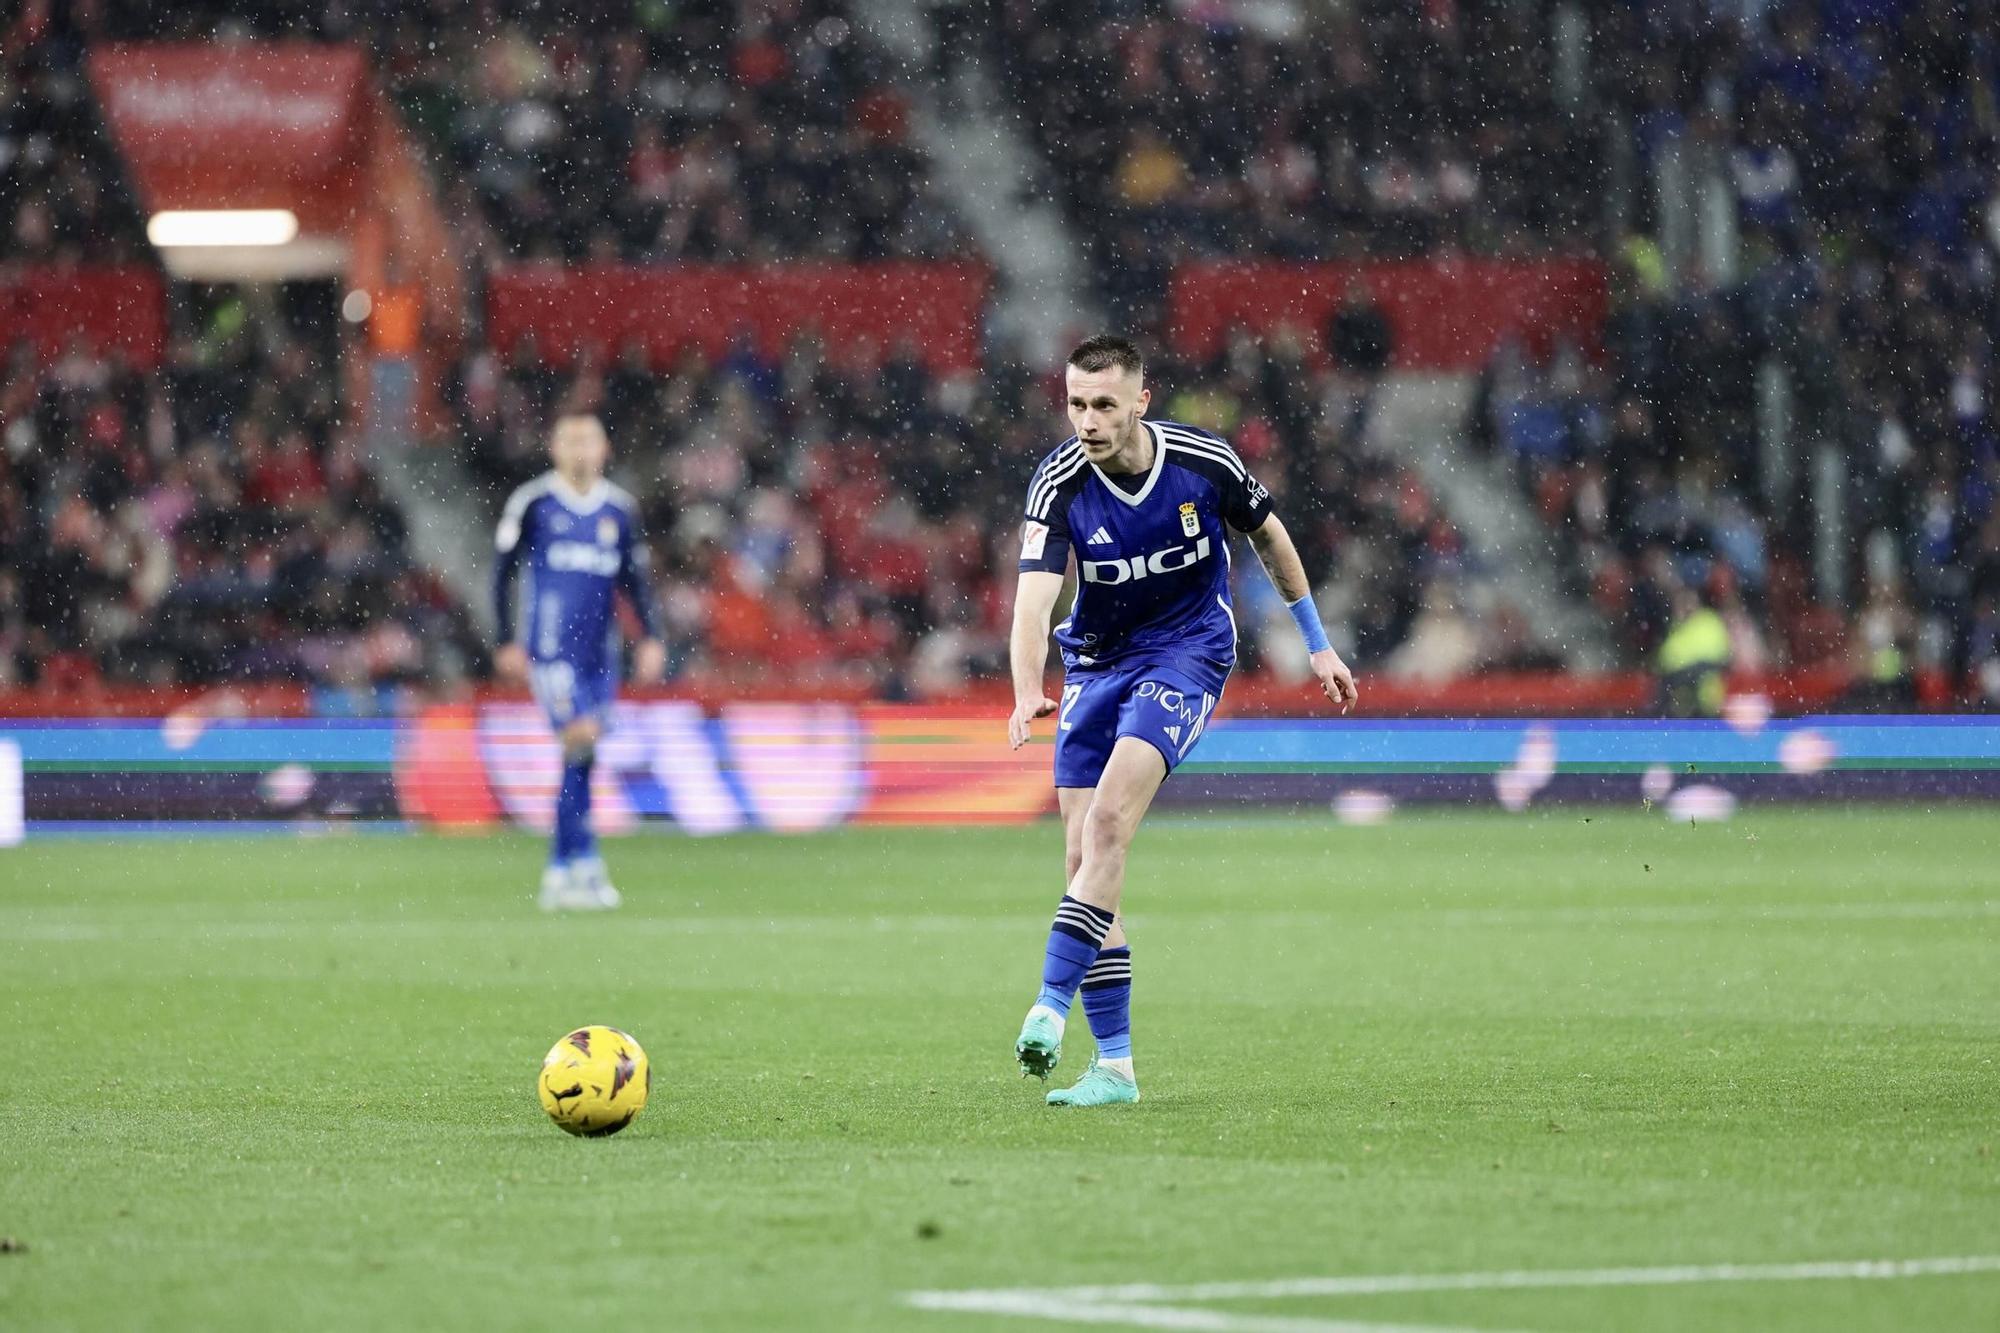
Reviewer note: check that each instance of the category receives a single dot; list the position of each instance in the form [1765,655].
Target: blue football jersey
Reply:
[1152,554]
[578,552]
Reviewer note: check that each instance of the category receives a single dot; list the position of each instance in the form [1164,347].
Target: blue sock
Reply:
[585,838]
[1107,1002]
[573,838]
[1074,940]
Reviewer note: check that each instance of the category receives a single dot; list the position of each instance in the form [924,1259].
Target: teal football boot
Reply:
[1040,1043]
[1098,1087]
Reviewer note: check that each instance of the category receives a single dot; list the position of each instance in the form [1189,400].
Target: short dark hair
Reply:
[1108,351]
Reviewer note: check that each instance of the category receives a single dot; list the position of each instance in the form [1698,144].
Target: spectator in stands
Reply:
[1694,657]
[1885,633]
[1362,344]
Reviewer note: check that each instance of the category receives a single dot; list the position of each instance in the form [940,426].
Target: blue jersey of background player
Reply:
[1147,509]
[577,538]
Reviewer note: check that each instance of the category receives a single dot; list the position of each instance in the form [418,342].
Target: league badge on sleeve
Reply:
[1190,521]
[1033,538]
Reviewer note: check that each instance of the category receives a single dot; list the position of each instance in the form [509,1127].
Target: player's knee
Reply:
[1106,831]
[579,743]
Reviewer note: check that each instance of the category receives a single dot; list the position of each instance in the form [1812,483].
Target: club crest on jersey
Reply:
[607,531]
[1134,568]
[1190,521]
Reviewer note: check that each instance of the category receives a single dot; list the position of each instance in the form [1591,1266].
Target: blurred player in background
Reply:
[578,536]
[1148,508]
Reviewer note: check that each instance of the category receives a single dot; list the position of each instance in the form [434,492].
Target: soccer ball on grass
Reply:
[594,1081]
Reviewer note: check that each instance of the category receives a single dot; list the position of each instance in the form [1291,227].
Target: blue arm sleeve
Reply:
[638,584]
[1306,616]
[505,563]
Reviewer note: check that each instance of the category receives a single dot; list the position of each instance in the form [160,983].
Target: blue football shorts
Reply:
[1164,706]
[567,694]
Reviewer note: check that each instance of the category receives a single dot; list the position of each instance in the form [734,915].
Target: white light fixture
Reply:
[223,227]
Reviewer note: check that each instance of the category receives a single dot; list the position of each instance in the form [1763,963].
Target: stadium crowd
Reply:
[209,521]
[814,516]
[1861,143]
[815,519]
[705,130]
[1313,132]
[63,199]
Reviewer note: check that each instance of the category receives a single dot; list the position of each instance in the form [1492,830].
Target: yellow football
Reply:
[594,1081]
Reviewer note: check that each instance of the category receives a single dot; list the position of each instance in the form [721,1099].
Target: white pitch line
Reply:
[1053,1306]
[1862,1270]
[1145,1305]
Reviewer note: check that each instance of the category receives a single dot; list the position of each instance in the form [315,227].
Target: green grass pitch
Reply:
[275,1082]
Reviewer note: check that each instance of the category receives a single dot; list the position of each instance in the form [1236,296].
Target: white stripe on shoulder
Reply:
[1057,469]
[1195,433]
[1065,451]
[1055,462]
[1203,449]
[1045,495]
[1202,443]
[1193,436]
[1046,503]
[621,497]
[511,518]
[527,491]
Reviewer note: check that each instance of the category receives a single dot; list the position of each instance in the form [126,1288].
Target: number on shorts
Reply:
[1071,693]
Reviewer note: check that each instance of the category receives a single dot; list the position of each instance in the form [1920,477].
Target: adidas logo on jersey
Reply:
[1098,538]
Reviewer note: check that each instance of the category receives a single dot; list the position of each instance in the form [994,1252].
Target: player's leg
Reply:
[1123,794]
[1086,729]
[595,696]
[554,688]
[1161,715]
[576,705]
[1106,988]
[1110,1014]
[1087,915]
[587,873]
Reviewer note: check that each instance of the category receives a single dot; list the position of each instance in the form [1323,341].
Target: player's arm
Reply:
[1028,650]
[1280,559]
[1045,549]
[510,659]
[649,658]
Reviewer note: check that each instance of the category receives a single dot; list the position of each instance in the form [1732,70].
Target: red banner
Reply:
[863,310]
[1445,314]
[239,125]
[99,310]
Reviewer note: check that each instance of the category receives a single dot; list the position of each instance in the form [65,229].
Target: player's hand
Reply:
[510,663]
[1334,678]
[649,662]
[1025,712]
